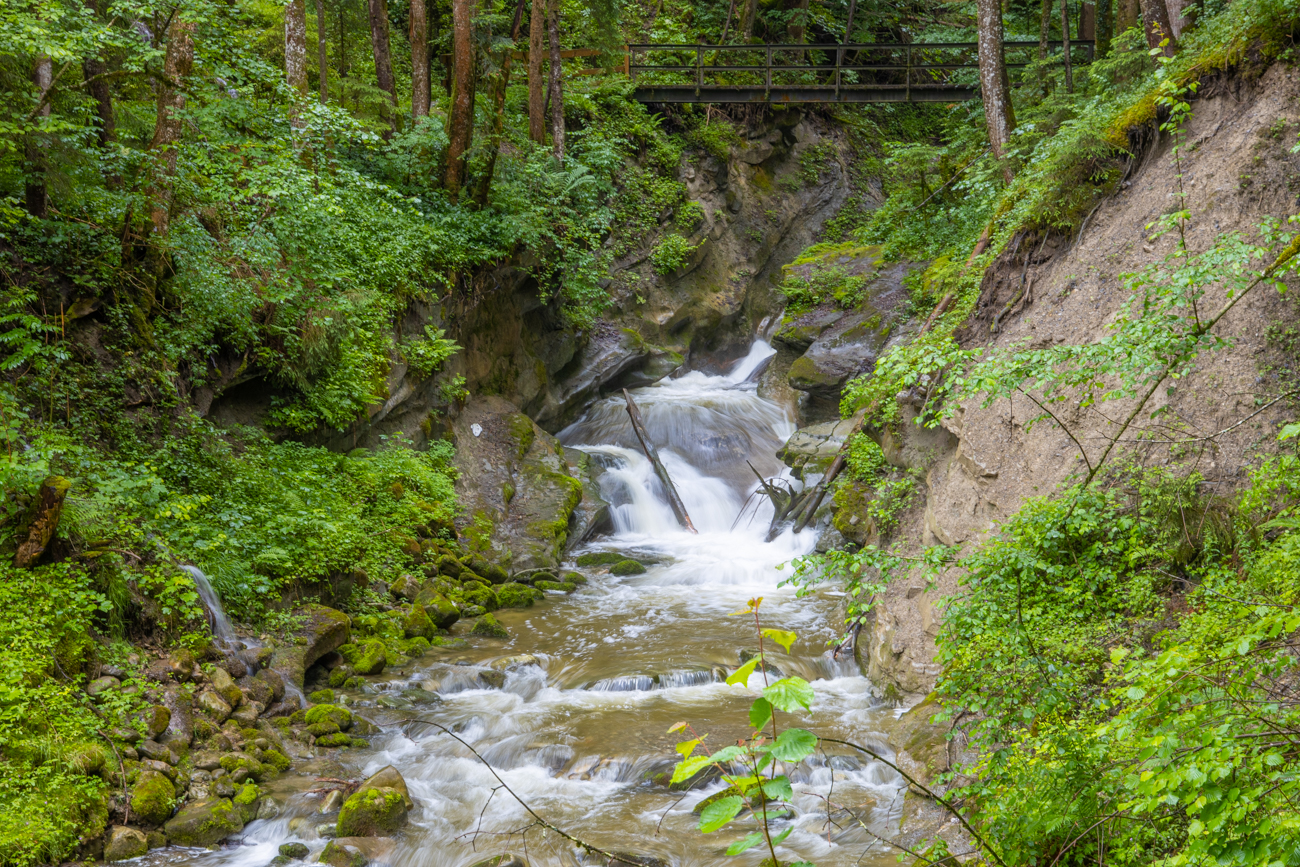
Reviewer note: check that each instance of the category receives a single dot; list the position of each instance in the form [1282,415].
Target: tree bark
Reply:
[295,47]
[34,193]
[461,120]
[1127,15]
[674,501]
[322,52]
[1155,22]
[41,522]
[484,185]
[92,68]
[1044,29]
[1065,46]
[798,21]
[383,57]
[556,82]
[419,60]
[996,95]
[536,87]
[1105,27]
[747,20]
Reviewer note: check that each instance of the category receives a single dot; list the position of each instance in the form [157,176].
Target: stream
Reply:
[594,680]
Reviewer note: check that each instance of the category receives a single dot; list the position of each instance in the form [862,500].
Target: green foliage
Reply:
[717,138]
[671,253]
[424,355]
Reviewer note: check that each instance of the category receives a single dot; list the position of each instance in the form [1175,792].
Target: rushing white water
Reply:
[219,622]
[594,680]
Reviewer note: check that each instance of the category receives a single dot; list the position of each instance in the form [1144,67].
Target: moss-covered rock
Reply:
[556,586]
[204,823]
[574,578]
[483,596]
[388,777]
[276,759]
[600,558]
[416,623]
[154,720]
[518,595]
[340,716]
[441,610]
[627,567]
[372,812]
[338,740]
[296,851]
[246,798]
[337,854]
[124,843]
[449,566]
[152,797]
[368,656]
[488,626]
[322,696]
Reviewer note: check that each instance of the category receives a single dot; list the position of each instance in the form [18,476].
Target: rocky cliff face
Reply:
[982,464]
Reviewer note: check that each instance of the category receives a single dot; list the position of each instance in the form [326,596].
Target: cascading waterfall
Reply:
[220,623]
[593,681]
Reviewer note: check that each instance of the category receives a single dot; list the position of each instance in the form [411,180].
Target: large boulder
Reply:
[124,843]
[388,777]
[514,485]
[441,610]
[811,449]
[372,812]
[205,823]
[152,797]
[325,630]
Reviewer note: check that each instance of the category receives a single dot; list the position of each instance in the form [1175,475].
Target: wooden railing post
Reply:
[699,68]
[767,82]
[907,91]
[839,61]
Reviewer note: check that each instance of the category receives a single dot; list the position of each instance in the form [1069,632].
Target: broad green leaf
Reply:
[740,676]
[749,841]
[794,745]
[719,813]
[790,693]
[782,637]
[778,788]
[760,713]
[727,754]
[780,838]
[685,748]
[676,727]
[689,768]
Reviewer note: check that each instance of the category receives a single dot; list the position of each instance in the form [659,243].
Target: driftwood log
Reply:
[674,501]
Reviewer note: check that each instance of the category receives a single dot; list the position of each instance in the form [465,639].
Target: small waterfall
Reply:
[217,619]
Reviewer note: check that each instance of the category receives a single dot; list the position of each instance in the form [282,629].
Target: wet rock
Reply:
[337,854]
[246,714]
[214,705]
[156,751]
[626,567]
[204,823]
[502,861]
[441,610]
[180,728]
[518,595]
[268,808]
[297,851]
[332,801]
[488,627]
[811,449]
[921,745]
[101,685]
[157,839]
[152,797]
[154,720]
[331,715]
[601,558]
[325,630]
[641,860]
[258,690]
[493,679]
[124,843]
[482,596]
[557,587]
[207,760]
[246,801]
[406,587]
[510,663]
[163,768]
[372,812]
[389,777]
[449,566]
[272,679]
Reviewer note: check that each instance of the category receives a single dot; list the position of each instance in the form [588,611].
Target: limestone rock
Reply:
[372,812]
[124,843]
[155,720]
[204,823]
[488,626]
[366,657]
[811,449]
[214,705]
[180,728]
[326,630]
[441,610]
[297,851]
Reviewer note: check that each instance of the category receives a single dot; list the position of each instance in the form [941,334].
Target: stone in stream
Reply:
[502,861]
[341,855]
[488,626]
[601,558]
[204,823]
[152,797]
[441,610]
[388,777]
[297,851]
[372,812]
[124,843]
[325,630]
[627,567]
[518,595]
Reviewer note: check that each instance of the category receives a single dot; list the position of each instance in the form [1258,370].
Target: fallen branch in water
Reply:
[674,501]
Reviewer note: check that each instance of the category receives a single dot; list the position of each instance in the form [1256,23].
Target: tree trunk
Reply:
[92,68]
[1155,22]
[177,63]
[556,82]
[484,185]
[1065,46]
[747,20]
[536,87]
[34,193]
[461,121]
[1044,29]
[295,47]
[1127,16]
[998,116]
[798,22]
[322,51]
[1105,27]
[674,501]
[419,60]
[383,57]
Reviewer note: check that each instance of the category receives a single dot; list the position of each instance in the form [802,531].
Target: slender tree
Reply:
[383,56]
[419,60]
[484,184]
[536,87]
[998,114]
[1105,26]
[747,16]
[1065,46]
[34,192]
[295,47]
[461,120]
[1044,29]
[322,52]
[556,82]
[95,71]
[1155,22]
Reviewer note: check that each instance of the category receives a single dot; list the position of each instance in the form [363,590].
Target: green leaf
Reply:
[782,637]
[719,813]
[740,676]
[685,748]
[689,768]
[749,841]
[778,788]
[794,745]
[780,838]
[760,713]
[790,693]
[726,754]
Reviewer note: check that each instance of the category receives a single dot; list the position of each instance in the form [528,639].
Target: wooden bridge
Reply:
[917,72]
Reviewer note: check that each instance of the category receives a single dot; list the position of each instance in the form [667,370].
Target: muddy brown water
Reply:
[593,681]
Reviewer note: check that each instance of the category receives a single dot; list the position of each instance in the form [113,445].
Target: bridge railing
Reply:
[879,67]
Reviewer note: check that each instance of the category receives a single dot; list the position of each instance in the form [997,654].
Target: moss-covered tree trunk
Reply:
[34,192]
[41,521]
[322,53]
